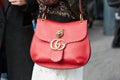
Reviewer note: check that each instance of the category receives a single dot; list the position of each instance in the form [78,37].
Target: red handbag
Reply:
[60,45]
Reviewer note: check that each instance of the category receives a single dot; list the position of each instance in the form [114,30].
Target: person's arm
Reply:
[31,5]
[27,5]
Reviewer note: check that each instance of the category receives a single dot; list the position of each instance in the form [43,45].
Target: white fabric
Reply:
[42,73]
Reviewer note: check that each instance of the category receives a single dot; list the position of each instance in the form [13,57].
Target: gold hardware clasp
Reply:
[81,18]
[60,33]
[57,44]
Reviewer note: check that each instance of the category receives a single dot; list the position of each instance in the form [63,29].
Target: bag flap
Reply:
[73,31]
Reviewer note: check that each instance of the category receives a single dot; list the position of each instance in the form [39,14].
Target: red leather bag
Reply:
[60,45]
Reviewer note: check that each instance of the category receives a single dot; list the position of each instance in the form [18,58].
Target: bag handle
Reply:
[80,8]
[81,11]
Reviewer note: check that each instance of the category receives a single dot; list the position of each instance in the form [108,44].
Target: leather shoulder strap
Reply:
[80,7]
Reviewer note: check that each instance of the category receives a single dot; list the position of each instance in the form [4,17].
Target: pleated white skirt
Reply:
[42,73]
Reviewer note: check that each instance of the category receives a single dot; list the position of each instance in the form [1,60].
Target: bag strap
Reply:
[81,11]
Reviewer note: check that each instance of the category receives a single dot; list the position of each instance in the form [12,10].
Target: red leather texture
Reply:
[72,50]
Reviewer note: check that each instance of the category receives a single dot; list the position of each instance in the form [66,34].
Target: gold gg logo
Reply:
[57,44]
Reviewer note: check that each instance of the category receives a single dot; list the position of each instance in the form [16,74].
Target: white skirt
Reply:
[42,73]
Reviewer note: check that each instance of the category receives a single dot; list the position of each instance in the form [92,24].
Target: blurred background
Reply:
[104,63]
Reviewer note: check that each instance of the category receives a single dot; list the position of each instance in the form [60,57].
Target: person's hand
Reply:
[48,2]
[18,2]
